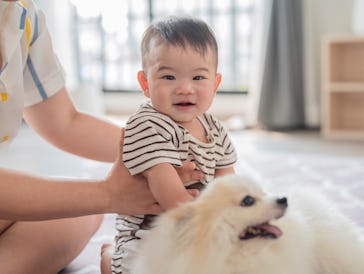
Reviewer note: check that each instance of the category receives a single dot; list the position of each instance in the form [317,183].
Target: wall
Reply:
[321,18]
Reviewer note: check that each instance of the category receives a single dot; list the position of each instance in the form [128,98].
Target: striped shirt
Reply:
[152,138]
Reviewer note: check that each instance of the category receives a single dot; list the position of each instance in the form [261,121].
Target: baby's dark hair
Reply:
[179,31]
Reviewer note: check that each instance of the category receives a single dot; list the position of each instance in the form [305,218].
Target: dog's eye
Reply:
[247,201]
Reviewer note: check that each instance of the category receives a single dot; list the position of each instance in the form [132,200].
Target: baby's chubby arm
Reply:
[166,186]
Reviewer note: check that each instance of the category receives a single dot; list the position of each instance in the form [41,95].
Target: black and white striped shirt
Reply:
[152,138]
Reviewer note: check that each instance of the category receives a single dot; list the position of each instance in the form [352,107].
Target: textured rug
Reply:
[277,159]
[275,162]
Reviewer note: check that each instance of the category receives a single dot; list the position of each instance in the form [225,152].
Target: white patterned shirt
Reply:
[30,71]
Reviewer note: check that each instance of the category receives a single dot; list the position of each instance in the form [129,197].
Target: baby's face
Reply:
[180,82]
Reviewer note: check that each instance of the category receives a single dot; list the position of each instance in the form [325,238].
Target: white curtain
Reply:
[261,19]
[59,21]
[59,18]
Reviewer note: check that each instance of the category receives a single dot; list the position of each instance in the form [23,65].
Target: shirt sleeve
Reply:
[224,146]
[147,143]
[229,157]
[43,73]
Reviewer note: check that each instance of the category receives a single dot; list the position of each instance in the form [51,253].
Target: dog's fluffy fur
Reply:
[209,235]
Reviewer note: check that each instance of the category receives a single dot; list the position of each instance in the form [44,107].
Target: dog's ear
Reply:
[181,217]
[189,225]
[181,214]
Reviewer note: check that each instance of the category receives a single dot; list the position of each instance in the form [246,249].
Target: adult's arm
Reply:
[27,197]
[60,123]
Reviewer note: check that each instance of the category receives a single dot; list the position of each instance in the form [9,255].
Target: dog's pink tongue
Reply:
[272,229]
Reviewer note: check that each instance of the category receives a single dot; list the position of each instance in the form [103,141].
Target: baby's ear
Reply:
[217,81]
[143,82]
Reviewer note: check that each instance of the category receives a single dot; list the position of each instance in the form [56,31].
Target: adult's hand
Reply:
[128,194]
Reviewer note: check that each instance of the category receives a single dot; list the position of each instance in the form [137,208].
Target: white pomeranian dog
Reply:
[234,227]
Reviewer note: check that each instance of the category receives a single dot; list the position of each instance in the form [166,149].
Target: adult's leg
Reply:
[46,246]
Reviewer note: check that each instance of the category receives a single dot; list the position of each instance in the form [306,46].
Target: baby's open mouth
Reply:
[184,104]
[264,230]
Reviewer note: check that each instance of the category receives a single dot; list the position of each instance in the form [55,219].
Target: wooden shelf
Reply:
[343,88]
[346,87]
[344,135]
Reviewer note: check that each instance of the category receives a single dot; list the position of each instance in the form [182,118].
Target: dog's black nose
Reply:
[282,202]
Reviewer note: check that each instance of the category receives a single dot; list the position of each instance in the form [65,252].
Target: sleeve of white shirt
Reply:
[43,74]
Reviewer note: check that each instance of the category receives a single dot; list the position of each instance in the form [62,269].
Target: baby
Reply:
[179,76]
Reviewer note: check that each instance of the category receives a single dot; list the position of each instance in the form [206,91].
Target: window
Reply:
[109,34]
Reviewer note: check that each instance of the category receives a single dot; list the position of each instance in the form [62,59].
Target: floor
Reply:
[296,158]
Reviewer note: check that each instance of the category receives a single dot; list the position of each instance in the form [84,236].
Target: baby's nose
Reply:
[185,87]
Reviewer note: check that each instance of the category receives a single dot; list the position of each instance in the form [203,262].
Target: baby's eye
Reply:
[168,77]
[198,78]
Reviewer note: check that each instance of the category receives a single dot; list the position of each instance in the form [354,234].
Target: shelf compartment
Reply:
[346,61]
[346,111]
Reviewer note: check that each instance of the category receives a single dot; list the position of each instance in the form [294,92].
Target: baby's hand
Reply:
[193,192]
[188,173]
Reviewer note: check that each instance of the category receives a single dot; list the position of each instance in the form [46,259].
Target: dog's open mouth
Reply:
[264,230]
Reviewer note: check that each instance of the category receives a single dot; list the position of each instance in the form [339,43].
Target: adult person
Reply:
[46,222]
